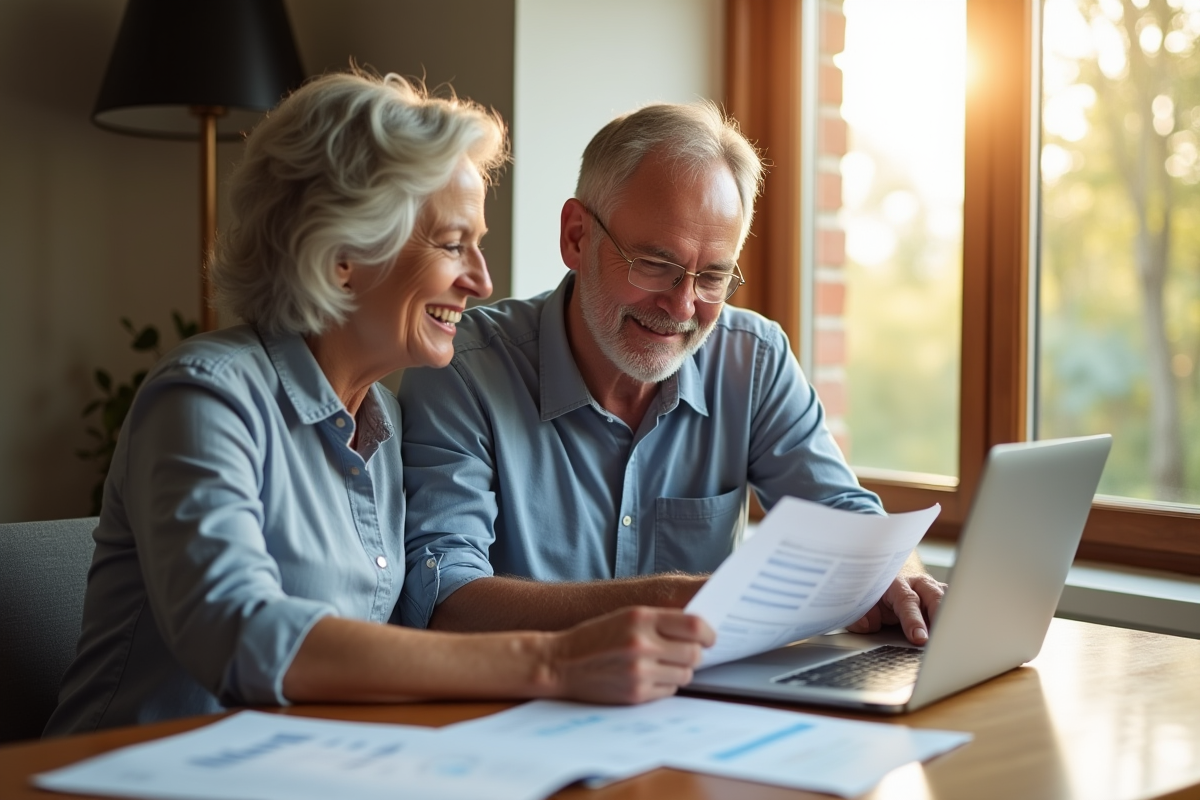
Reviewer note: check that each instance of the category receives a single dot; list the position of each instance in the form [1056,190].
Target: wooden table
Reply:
[1101,714]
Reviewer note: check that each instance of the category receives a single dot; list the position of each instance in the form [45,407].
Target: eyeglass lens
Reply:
[711,286]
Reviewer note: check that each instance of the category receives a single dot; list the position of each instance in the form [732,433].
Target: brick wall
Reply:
[829,301]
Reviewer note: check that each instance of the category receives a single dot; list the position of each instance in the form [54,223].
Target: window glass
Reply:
[898,275]
[1118,325]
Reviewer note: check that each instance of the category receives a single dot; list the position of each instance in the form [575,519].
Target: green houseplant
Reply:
[110,409]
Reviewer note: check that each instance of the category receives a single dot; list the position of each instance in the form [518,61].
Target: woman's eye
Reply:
[457,249]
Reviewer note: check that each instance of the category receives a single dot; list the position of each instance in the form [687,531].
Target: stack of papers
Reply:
[525,753]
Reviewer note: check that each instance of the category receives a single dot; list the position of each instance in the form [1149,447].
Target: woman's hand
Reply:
[629,656]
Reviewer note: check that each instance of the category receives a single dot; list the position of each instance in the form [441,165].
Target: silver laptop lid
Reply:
[1016,547]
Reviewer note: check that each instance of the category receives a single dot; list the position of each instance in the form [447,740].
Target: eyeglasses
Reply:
[652,275]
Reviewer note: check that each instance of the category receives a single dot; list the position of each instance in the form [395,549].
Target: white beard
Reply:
[606,321]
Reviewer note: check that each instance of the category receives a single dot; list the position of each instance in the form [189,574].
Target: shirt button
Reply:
[340,422]
[381,561]
[354,470]
[431,562]
[626,520]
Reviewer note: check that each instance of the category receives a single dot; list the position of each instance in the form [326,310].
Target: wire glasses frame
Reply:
[654,275]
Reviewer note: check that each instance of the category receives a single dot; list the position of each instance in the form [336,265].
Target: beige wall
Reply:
[95,226]
[579,64]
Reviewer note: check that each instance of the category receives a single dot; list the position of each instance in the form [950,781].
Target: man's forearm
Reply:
[495,604]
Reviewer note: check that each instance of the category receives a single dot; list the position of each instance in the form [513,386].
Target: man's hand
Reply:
[911,601]
[629,656]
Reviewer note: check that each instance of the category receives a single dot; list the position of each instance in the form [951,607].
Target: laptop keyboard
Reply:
[881,669]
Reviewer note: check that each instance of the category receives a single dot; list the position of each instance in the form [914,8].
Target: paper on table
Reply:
[766,745]
[255,756]
[808,569]
[822,754]
[624,741]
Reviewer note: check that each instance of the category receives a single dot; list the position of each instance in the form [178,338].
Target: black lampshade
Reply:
[171,55]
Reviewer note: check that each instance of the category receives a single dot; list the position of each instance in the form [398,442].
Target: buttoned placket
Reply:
[360,491]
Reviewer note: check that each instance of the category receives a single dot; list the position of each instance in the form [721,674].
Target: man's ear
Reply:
[572,227]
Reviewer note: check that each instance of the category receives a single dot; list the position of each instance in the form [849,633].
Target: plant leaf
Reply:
[104,380]
[90,407]
[184,328]
[147,339]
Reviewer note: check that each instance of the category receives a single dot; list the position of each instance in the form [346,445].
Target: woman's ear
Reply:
[344,271]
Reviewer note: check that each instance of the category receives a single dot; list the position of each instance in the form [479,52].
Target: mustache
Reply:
[661,322]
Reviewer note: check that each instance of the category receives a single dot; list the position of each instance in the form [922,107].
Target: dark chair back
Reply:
[43,577]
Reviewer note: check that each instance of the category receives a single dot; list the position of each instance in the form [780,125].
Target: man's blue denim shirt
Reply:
[512,468]
[235,516]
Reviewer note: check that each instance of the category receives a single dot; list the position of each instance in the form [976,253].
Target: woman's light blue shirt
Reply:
[235,516]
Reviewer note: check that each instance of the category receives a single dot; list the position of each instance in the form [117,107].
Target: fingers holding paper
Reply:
[629,656]
[911,601]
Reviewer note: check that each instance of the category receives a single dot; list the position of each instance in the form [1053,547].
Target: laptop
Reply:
[1013,555]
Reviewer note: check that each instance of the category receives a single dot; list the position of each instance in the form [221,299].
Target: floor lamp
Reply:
[198,69]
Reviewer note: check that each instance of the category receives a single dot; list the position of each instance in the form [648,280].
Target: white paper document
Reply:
[807,570]
[766,745]
[823,754]
[624,740]
[256,756]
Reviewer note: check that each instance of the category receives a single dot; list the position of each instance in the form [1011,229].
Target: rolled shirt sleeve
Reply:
[450,476]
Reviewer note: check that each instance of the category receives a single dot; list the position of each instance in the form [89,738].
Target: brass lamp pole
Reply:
[208,208]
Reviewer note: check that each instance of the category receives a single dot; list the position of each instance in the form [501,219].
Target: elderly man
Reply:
[599,439]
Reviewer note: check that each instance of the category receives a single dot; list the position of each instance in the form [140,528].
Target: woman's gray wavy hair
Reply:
[689,136]
[339,172]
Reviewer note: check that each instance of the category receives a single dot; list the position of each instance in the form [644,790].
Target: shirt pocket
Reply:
[695,534]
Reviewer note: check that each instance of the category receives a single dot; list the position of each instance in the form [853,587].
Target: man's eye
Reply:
[457,249]
[714,280]
[654,268]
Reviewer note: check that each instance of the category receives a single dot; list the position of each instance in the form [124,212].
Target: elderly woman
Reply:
[250,548]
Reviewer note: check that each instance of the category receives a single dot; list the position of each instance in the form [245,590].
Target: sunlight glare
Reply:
[1056,162]
[1072,39]
[1177,42]
[858,171]
[1110,48]
[1065,113]
[1150,39]
[869,241]
[1112,9]
[900,207]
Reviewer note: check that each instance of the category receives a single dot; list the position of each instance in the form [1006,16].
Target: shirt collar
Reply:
[562,385]
[302,379]
[313,398]
[688,386]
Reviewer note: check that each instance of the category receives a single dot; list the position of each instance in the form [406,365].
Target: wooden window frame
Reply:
[762,79]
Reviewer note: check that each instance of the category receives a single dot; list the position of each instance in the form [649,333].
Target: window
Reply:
[1039,313]
[1119,282]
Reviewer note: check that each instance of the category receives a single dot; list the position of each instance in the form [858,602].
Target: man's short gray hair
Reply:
[339,172]
[688,136]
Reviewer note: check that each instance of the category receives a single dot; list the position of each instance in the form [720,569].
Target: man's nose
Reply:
[680,301]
